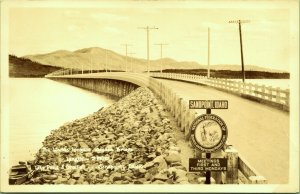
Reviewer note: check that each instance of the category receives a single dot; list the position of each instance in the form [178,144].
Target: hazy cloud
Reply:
[108,17]
[110,29]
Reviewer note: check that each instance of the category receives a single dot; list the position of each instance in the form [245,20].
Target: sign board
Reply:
[204,164]
[208,104]
[208,133]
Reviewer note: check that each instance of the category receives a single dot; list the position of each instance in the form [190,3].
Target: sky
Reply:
[266,38]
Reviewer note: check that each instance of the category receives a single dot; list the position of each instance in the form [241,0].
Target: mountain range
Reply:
[98,58]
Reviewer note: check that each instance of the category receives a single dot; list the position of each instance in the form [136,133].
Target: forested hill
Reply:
[22,67]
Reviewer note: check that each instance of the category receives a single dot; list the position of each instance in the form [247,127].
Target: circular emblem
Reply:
[208,133]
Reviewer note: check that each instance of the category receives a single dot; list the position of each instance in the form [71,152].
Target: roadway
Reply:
[260,133]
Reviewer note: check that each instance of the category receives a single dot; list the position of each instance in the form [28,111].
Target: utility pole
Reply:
[126,45]
[110,62]
[99,67]
[147,28]
[161,48]
[208,53]
[90,64]
[131,61]
[105,60]
[241,42]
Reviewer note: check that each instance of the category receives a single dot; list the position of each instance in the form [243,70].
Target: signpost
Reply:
[208,135]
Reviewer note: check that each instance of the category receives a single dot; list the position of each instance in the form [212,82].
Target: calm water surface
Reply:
[39,105]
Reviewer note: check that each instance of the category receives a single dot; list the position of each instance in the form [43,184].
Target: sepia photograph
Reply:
[149,96]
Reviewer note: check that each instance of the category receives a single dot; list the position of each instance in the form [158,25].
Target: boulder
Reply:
[161,163]
[88,155]
[83,145]
[148,165]
[172,157]
[116,176]
[158,182]
[161,176]
[50,177]
[76,175]
[71,181]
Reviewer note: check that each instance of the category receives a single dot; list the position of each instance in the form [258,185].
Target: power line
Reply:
[161,53]
[147,28]
[126,45]
[241,42]
[105,60]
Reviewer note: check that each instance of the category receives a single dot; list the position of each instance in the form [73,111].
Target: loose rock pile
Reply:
[130,142]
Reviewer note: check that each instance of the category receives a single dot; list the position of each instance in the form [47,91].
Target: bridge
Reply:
[257,116]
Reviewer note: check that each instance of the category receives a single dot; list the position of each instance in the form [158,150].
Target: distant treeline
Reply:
[22,67]
[228,74]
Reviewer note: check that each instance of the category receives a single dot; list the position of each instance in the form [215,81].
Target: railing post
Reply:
[256,90]
[217,175]
[287,97]
[270,93]
[278,95]
[232,165]
[263,92]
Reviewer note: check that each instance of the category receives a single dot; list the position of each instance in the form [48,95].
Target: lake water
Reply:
[39,105]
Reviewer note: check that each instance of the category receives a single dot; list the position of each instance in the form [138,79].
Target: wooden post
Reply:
[188,122]
[263,91]
[181,116]
[287,97]
[178,114]
[270,93]
[278,95]
[217,175]
[232,165]
[256,90]
[239,87]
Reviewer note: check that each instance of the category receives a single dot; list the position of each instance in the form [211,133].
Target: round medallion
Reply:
[208,133]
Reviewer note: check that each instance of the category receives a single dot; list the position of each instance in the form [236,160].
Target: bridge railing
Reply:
[71,71]
[239,170]
[266,94]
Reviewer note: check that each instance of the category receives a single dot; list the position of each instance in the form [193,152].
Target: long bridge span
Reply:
[257,118]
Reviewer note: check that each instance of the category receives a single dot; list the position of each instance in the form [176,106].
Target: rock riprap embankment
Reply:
[129,142]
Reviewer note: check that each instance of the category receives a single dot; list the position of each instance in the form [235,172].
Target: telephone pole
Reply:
[161,48]
[241,42]
[126,45]
[208,53]
[90,64]
[147,28]
[105,60]
[131,54]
